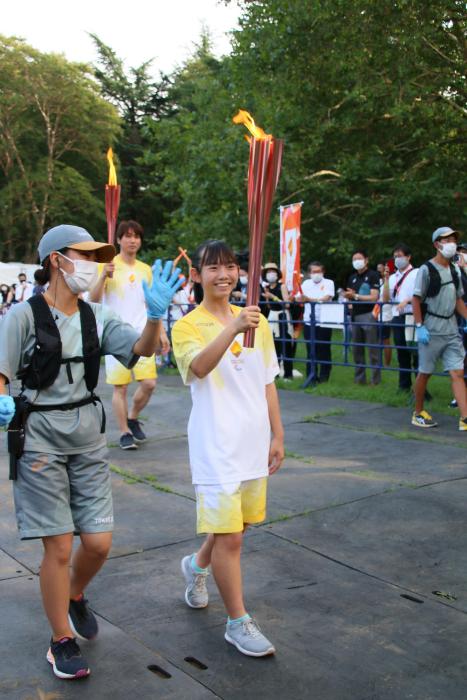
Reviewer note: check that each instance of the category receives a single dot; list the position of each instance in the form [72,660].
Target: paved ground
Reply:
[359,576]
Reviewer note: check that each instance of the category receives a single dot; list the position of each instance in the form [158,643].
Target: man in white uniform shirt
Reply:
[399,289]
[317,289]
[23,289]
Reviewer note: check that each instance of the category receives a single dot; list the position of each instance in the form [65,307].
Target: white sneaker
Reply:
[196,593]
[248,638]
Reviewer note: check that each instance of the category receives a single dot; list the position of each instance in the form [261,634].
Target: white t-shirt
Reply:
[316,290]
[23,292]
[123,292]
[405,290]
[229,431]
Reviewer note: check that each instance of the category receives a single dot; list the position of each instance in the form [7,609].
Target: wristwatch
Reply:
[357,298]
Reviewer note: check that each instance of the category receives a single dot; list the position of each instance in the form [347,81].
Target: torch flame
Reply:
[112,171]
[244,117]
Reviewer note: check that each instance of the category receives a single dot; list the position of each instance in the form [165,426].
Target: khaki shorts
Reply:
[225,508]
[57,494]
[449,349]
[117,374]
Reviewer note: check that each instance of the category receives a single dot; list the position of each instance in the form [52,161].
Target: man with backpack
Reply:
[437,298]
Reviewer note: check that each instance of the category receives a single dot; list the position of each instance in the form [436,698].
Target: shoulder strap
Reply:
[42,314]
[434,280]
[91,346]
[398,285]
[45,362]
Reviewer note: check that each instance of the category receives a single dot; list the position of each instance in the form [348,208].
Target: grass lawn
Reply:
[341,384]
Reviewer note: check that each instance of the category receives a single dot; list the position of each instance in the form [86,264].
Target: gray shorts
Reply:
[449,348]
[57,494]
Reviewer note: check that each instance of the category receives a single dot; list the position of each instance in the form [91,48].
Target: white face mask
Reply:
[401,262]
[448,250]
[316,277]
[243,280]
[358,264]
[271,277]
[83,278]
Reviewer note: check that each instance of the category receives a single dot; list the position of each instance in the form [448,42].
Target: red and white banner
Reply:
[290,217]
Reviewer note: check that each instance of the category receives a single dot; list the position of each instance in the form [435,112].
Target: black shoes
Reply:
[67,662]
[127,442]
[82,620]
[136,431]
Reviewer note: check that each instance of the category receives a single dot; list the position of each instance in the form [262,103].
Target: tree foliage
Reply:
[53,131]
[372,91]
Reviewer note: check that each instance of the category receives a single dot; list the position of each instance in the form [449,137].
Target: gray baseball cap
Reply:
[68,236]
[442,232]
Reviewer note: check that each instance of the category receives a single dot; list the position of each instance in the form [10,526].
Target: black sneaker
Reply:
[82,620]
[135,427]
[127,442]
[65,657]
[453,404]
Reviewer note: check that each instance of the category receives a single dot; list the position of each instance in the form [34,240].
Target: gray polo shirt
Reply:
[443,303]
[77,430]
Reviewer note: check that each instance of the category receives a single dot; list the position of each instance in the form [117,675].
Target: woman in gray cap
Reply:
[58,453]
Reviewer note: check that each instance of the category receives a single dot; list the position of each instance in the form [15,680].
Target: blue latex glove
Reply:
[422,335]
[165,282]
[7,409]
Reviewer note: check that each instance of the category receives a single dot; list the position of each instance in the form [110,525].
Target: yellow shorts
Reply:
[224,508]
[117,374]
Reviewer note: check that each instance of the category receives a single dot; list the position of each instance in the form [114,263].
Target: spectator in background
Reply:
[38,287]
[462,262]
[239,293]
[316,290]
[398,288]
[438,286]
[278,301]
[6,294]
[383,314]
[23,289]
[363,286]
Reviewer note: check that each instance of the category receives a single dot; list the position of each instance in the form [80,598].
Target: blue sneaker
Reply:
[248,638]
[196,593]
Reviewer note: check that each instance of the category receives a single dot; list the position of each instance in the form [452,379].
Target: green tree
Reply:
[138,98]
[54,129]
[372,91]
[198,158]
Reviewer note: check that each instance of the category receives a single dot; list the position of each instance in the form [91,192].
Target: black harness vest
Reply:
[44,369]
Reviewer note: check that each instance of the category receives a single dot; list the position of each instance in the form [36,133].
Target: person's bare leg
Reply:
[55,583]
[120,407]
[225,563]
[420,389]
[203,555]
[458,389]
[141,397]
[88,559]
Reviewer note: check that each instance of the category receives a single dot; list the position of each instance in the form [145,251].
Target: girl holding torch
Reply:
[58,453]
[235,433]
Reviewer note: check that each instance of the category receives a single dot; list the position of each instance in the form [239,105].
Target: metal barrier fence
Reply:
[361,335]
[290,331]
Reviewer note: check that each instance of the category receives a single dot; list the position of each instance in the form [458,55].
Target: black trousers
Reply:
[322,351]
[407,357]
